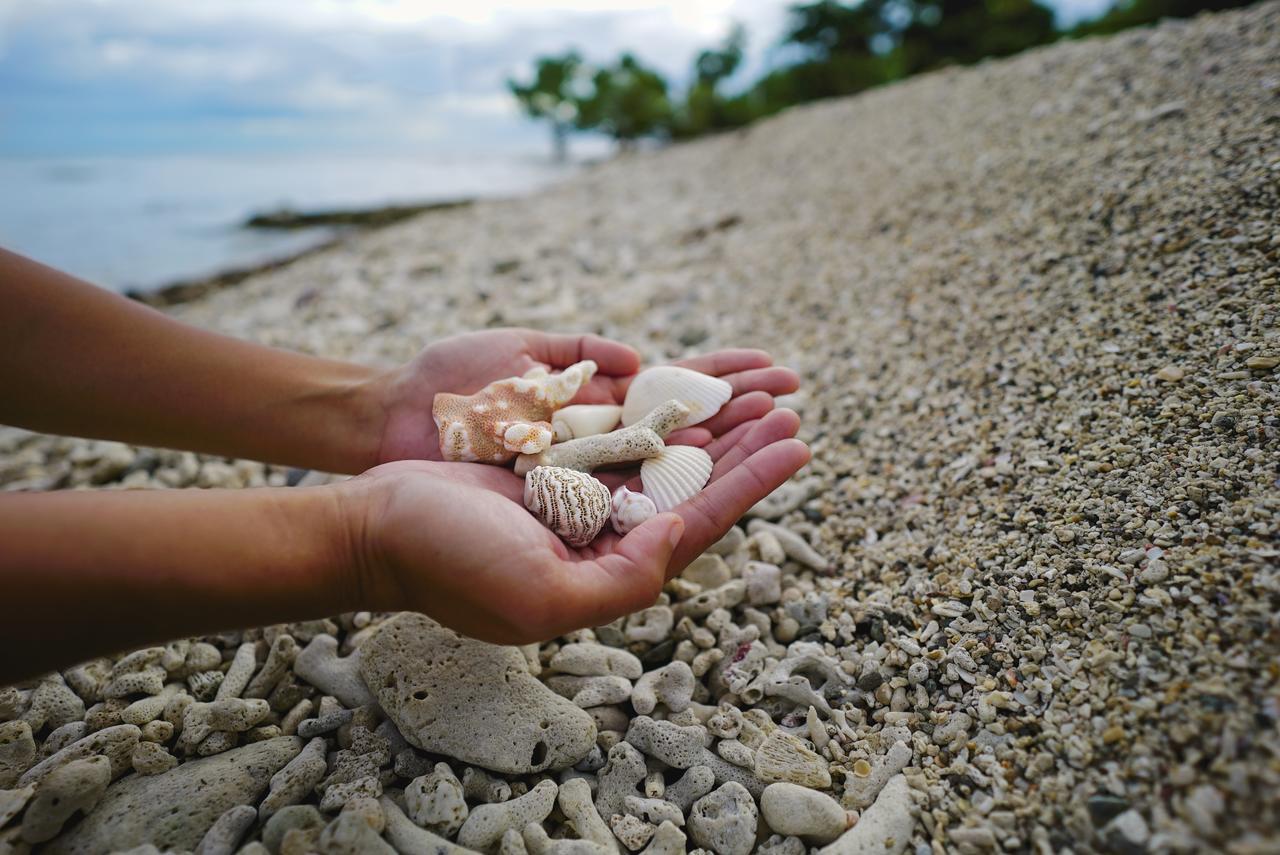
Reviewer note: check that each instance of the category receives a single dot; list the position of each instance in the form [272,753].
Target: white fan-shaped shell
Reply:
[630,509]
[675,475]
[581,420]
[703,394]
[572,504]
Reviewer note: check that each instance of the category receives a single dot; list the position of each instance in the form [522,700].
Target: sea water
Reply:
[140,222]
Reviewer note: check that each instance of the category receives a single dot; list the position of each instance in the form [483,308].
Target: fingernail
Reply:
[676,532]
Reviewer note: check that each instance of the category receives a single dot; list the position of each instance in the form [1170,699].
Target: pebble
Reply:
[469,700]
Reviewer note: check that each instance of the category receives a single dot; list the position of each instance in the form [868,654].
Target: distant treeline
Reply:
[835,49]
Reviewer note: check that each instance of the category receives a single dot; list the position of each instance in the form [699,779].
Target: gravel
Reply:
[1036,306]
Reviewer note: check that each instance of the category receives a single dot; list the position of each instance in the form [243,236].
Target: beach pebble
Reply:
[72,787]
[672,686]
[295,781]
[596,660]
[575,802]
[487,823]
[634,832]
[792,810]
[786,758]
[320,665]
[472,701]
[885,827]
[436,801]
[176,808]
[115,743]
[407,837]
[724,820]
[621,776]
[152,758]
[350,834]
[861,790]
[18,751]
[303,818]
[225,834]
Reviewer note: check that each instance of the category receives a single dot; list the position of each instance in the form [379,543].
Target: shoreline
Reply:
[344,222]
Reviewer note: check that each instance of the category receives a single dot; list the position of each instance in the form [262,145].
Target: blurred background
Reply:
[144,142]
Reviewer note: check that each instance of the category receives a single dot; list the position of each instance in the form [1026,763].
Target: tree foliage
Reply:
[837,48]
[554,94]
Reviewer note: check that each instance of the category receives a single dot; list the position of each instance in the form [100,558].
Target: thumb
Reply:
[650,545]
[629,578]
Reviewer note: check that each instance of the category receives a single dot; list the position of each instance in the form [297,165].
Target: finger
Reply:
[775,381]
[560,350]
[599,390]
[698,436]
[729,361]
[710,513]
[743,441]
[752,405]
[720,362]
[627,579]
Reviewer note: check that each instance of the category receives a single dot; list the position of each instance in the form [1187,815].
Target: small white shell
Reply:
[630,509]
[525,438]
[572,504]
[703,394]
[581,420]
[675,475]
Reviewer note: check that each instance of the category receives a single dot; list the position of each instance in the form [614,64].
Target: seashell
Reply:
[572,504]
[703,394]
[675,475]
[630,509]
[626,445]
[507,417]
[582,420]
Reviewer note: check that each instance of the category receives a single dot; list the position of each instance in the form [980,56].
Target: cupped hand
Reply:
[454,541]
[466,363]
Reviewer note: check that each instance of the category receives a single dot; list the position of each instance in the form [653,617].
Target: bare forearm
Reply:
[80,360]
[90,573]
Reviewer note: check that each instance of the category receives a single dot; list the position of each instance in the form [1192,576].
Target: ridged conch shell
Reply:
[675,476]
[582,420]
[630,509]
[507,417]
[572,504]
[703,394]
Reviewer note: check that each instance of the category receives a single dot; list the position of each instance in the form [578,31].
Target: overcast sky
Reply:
[142,76]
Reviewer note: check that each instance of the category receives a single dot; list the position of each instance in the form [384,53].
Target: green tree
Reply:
[627,102]
[554,95]
[1135,13]
[704,108]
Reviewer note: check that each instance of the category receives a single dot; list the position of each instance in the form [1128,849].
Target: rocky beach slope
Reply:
[1036,304]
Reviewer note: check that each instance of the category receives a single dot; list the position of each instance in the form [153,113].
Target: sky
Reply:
[108,77]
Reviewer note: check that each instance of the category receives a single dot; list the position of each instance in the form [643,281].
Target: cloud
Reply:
[78,75]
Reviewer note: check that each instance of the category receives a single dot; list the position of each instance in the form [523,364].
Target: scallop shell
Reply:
[675,475]
[630,509]
[582,420]
[572,504]
[703,394]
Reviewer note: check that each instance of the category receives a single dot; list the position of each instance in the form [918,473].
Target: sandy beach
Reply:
[1036,307]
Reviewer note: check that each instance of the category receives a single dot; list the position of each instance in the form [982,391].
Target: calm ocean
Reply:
[142,222]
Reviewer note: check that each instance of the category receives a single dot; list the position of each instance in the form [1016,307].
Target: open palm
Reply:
[466,363]
[454,540]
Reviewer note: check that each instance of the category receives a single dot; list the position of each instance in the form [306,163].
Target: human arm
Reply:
[83,361]
[90,573]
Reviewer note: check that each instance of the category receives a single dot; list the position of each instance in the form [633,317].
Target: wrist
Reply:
[408,429]
[360,569]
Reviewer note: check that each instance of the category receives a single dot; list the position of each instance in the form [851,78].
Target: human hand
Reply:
[466,363]
[454,541]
